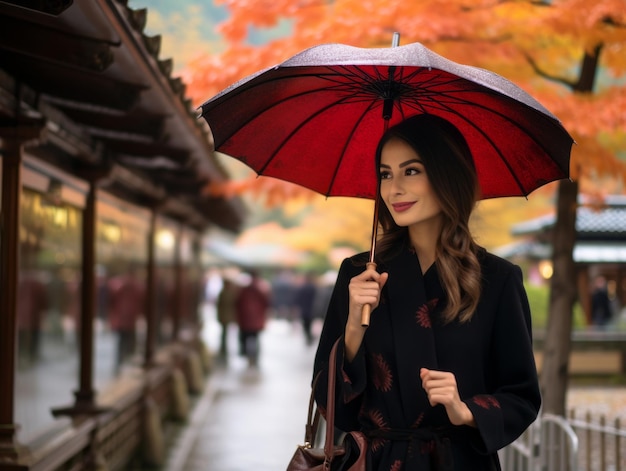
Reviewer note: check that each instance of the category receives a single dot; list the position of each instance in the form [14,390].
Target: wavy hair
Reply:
[450,169]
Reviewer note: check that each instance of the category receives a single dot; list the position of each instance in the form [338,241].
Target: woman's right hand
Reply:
[363,289]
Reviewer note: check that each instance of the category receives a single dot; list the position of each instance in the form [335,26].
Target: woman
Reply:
[445,375]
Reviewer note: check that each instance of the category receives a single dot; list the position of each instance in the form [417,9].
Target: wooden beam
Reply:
[49,7]
[53,45]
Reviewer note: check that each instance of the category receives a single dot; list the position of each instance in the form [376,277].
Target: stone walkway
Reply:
[251,419]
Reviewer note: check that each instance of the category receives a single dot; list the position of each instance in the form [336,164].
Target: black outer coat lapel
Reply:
[410,315]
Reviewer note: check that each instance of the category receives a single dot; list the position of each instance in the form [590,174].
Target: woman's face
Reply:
[405,188]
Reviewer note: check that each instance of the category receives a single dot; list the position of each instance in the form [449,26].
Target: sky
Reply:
[190,27]
[187,27]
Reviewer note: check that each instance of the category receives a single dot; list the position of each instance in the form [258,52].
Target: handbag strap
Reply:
[329,442]
[313,421]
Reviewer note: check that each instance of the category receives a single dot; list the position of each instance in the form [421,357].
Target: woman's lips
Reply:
[400,207]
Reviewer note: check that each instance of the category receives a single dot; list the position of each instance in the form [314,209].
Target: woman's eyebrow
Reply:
[404,164]
[409,162]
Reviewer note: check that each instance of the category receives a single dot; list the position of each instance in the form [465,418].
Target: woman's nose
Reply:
[396,186]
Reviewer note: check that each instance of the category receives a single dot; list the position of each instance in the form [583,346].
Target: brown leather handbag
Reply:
[349,456]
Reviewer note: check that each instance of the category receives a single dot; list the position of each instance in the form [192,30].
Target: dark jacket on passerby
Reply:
[305,299]
[601,306]
[226,302]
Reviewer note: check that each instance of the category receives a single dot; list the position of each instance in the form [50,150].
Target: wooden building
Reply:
[600,248]
[103,165]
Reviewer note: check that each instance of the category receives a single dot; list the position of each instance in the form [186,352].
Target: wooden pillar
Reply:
[199,282]
[12,141]
[85,394]
[9,267]
[85,403]
[178,286]
[150,311]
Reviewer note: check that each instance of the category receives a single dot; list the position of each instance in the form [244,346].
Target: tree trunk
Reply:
[557,344]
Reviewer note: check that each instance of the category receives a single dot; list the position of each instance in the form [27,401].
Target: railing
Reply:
[558,446]
[130,427]
[549,444]
[602,443]
[521,455]
[554,443]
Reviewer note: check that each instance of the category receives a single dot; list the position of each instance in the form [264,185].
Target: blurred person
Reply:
[444,376]
[126,296]
[32,304]
[283,294]
[325,287]
[101,296]
[601,311]
[251,305]
[226,311]
[304,300]
[72,311]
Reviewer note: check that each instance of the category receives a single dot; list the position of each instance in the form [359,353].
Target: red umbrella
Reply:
[316,119]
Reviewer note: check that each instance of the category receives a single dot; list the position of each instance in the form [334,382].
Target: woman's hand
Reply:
[441,388]
[363,289]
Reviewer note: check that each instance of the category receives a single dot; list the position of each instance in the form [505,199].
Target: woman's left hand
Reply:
[441,388]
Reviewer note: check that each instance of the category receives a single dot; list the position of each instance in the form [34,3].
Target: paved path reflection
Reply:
[251,419]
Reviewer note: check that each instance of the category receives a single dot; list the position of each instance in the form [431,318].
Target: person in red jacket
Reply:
[126,300]
[251,307]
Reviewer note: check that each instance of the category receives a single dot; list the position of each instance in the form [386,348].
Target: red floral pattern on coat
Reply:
[345,377]
[376,417]
[486,402]
[396,466]
[422,316]
[381,374]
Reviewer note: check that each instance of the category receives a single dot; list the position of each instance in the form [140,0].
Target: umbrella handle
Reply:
[366,310]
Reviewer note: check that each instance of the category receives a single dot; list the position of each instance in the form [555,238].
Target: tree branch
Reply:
[542,73]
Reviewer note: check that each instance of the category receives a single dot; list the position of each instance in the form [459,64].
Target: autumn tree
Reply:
[583,54]
[569,54]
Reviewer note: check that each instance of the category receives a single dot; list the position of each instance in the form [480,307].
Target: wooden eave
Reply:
[89,72]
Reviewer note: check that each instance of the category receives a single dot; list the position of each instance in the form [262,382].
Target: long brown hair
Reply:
[450,168]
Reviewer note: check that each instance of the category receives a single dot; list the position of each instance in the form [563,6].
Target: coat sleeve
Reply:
[350,381]
[514,399]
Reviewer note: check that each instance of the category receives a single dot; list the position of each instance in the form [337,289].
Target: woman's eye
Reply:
[412,171]
[384,175]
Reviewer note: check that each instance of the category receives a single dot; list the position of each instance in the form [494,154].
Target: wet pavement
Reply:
[48,384]
[250,418]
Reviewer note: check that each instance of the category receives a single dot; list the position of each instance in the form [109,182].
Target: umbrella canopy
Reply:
[316,119]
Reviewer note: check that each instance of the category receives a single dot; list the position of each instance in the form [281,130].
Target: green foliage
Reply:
[539,300]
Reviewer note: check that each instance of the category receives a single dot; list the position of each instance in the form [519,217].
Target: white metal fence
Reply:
[554,443]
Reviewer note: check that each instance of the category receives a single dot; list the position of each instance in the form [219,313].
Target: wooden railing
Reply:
[130,427]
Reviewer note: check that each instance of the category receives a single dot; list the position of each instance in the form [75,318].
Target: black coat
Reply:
[380,391]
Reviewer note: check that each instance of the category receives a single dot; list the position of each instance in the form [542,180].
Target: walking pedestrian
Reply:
[444,376]
[226,312]
[32,305]
[304,301]
[126,296]
[251,308]
[601,311]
